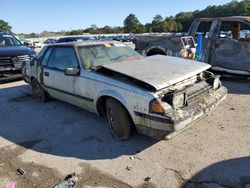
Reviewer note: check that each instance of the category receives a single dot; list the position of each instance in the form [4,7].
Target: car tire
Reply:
[118,119]
[39,93]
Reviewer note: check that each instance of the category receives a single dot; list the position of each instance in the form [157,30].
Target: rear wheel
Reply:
[39,93]
[118,119]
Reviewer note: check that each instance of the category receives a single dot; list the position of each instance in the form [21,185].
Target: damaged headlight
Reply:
[176,100]
[216,83]
[179,101]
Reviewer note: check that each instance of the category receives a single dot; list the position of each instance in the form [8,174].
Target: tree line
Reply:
[182,21]
[178,23]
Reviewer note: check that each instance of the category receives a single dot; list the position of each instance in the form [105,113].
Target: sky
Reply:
[27,16]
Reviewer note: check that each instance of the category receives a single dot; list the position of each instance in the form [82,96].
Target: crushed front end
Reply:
[176,107]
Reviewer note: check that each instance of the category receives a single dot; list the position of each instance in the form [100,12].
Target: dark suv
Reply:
[12,55]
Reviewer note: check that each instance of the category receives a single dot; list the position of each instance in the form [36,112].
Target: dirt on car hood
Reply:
[159,71]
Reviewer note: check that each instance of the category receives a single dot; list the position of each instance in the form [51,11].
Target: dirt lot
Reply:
[54,139]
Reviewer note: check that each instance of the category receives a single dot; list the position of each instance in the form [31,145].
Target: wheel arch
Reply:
[154,50]
[101,108]
[100,103]
[32,78]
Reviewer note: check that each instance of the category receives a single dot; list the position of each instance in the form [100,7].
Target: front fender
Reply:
[114,94]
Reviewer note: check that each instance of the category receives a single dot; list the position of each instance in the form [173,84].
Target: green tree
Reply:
[179,26]
[75,32]
[132,24]
[185,19]
[32,35]
[141,29]
[107,29]
[117,30]
[148,27]
[94,29]
[4,26]
[172,26]
[244,7]
[158,24]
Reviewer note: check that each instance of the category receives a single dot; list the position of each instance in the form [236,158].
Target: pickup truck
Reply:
[226,44]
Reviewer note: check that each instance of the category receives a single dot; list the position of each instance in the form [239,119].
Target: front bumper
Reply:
[167,126]
[7,77]
[9,72]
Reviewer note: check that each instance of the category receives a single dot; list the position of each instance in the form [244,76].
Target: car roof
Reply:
[230,18]
[74,37]
[85,43]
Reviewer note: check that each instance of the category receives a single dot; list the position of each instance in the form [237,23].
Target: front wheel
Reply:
[39,93]
[118,119]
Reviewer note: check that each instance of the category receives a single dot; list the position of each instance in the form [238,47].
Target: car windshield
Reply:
[97,55]
[8,40]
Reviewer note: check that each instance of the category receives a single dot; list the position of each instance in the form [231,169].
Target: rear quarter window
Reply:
[46,56]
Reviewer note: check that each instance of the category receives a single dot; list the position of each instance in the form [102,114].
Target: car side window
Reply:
[204,28]
[62,58]
[234,30]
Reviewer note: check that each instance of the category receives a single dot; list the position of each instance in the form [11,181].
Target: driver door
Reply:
[206,28]
[231,47]
[55,81]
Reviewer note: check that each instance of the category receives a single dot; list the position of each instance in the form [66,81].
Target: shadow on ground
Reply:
[231,173]
[60,129]
[236,86]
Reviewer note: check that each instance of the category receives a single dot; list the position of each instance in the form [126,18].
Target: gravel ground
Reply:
[51,140]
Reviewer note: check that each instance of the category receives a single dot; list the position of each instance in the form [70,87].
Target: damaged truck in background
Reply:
[158,95]
[226,44]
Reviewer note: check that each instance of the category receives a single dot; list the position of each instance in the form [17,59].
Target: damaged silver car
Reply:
[158,95]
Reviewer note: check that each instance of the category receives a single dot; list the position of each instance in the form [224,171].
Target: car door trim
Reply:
[72,94]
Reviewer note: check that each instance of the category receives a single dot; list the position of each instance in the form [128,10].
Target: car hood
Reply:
[15,51]
[159,71]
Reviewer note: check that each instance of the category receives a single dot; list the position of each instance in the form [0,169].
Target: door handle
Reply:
[46,73]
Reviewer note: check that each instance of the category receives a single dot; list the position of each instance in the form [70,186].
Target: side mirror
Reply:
[72,72]
[26,44]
